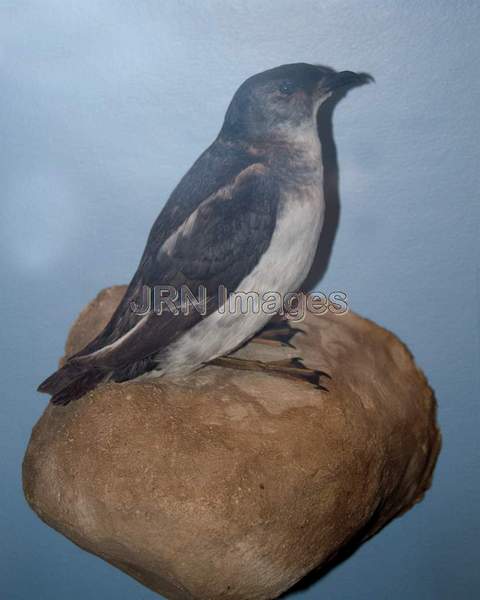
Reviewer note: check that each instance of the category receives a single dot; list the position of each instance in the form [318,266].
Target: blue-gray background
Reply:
[105,104]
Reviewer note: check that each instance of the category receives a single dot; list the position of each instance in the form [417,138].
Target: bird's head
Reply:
[277,103]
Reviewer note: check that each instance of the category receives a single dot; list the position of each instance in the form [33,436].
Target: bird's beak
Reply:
[345,79]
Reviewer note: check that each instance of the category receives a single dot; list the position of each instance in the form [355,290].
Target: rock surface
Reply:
[232,484]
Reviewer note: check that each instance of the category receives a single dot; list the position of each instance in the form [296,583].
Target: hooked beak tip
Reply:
[344,79]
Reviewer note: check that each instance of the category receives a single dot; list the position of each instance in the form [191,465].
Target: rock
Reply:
[233,484]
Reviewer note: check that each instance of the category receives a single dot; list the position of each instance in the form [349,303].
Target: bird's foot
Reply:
[293,368]
[278,332]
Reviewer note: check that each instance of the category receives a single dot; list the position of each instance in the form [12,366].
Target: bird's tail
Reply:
[70,382]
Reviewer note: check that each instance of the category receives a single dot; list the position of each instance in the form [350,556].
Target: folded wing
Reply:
[217,243]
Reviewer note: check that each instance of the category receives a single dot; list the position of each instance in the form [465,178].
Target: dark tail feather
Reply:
[61,378]
[79,387]
[70,382]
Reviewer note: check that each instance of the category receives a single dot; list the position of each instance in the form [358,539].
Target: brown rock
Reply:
[232,484]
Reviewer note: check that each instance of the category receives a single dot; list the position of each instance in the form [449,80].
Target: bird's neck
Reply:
[299,150]
[291,149]
[302,141]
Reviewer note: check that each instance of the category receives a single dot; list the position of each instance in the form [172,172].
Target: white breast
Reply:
[281,269]
[289,257]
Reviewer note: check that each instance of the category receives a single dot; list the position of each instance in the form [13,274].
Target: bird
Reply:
[247,216]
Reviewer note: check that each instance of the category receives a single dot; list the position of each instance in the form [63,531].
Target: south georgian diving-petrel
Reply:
[247,216]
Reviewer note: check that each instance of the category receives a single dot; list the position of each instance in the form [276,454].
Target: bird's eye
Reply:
[287,87]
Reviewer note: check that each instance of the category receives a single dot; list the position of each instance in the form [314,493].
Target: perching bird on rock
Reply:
[245,218]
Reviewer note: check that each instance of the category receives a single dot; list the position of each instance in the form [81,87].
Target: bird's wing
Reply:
[210,176]
[218,244]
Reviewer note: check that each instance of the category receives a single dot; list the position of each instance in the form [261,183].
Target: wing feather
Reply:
[217,242]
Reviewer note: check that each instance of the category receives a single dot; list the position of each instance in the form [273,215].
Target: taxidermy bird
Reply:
[247,216]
